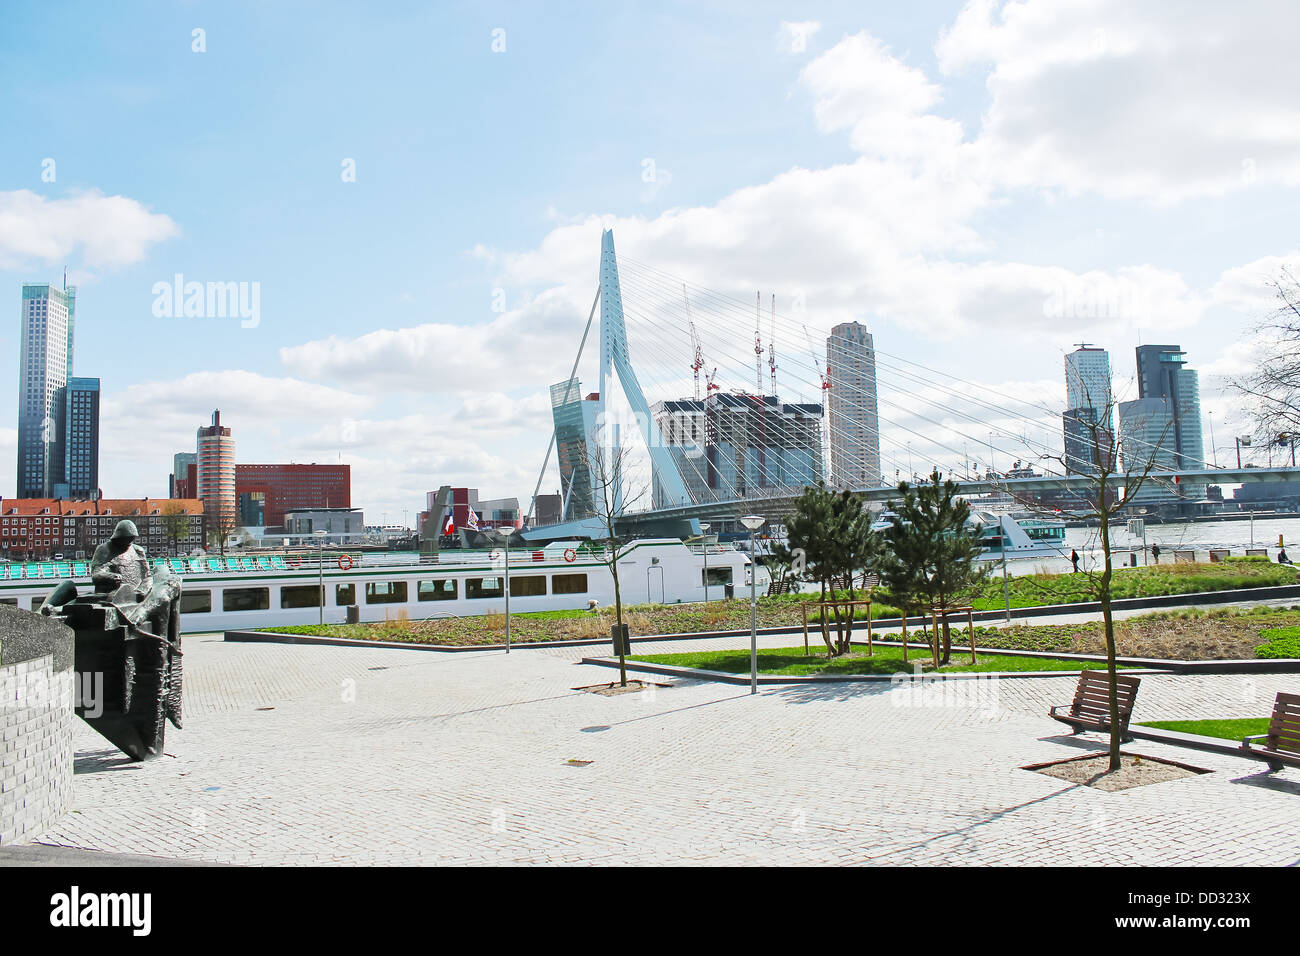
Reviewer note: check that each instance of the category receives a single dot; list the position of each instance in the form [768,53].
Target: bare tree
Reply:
[220,526]
[176,524]
[1272,388]
[1118,469]
[611,499]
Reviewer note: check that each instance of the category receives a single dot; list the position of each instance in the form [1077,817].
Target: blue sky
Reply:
[934,170]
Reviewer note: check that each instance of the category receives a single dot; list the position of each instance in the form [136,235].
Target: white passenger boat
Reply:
[262,590]
[1019,535]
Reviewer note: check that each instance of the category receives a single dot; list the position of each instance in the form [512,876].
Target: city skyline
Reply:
[933,176]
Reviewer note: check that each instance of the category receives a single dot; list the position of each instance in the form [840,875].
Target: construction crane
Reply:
[709,384]
[824,376]
[758,344]
[771,348]
[698,360]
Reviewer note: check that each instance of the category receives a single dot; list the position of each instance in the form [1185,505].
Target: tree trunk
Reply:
[1109,623]
[618,619]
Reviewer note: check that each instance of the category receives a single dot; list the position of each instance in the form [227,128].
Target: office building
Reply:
[44,368]
[1088,421]
[215,468]
[80,440]
[853,417]
[181,464]
[266,493]
[1165,423]
[575,420]
[682,425]
[756,443]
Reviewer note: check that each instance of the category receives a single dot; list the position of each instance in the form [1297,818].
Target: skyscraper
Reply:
[575,421]
[216,474]
[44,367]
[81,440]
[1088,403]
[1163,427]
[854,417]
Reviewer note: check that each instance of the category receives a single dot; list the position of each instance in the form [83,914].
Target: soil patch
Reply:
[1136,770]
[614,689]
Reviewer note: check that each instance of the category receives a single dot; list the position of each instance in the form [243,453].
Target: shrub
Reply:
[1281,642]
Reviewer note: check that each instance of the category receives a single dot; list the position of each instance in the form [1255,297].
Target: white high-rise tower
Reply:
[853,414]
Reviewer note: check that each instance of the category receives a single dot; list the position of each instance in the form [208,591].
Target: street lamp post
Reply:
[504,534]
[320,572]
[753,523]
[704,541]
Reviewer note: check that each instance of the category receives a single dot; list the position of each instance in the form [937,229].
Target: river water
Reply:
[1199,536]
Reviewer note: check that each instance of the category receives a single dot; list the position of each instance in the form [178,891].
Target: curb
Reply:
[727,677]
[1176,738]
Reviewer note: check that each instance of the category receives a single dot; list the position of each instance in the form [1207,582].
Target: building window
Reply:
[246,599]
[444,590]
[300,596]
[531,585]
[568,584]
[386,592]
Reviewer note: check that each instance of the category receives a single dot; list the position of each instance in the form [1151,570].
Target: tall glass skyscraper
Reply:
[81,440]
[1088,422]
[1163,426]
[853,418]
[44,369]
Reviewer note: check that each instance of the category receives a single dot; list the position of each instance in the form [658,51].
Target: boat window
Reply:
[484,588]
[717,576]
[530,585]
[246,599]
[196,602]
[37,602]
[300,596]
[12,602]
[569,584]
[345,594]
[443,590]
[386,592]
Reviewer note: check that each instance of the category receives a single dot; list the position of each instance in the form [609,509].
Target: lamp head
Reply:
[752,522]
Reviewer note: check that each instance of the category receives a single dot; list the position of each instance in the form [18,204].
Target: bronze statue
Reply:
[127,635]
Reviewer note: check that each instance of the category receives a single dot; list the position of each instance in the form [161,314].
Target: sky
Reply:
[415,194]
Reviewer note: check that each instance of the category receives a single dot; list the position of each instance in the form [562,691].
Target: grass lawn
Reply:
[790,661]
[1233,729]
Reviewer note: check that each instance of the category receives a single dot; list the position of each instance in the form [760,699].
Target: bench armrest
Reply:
[1245,741]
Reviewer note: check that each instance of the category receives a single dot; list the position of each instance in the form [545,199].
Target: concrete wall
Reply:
[36,719]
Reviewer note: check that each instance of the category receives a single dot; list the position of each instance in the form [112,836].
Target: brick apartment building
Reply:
[36,529]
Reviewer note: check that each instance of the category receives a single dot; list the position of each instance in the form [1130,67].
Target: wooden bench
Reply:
[1282,742]
[1257,552]
[1090,709]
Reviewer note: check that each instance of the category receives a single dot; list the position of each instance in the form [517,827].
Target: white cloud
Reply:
[1250,289]
[1147,101]
[885,104]
[793,37]
[107,230]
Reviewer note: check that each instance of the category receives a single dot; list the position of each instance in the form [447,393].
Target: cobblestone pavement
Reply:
[298,754]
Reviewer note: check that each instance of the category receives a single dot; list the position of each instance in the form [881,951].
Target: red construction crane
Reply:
[771,348]
[824,376]
[698,361]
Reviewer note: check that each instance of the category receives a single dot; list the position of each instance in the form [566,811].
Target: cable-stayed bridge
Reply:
[708,407]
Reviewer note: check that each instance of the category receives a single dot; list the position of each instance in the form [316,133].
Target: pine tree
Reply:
[931,552]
